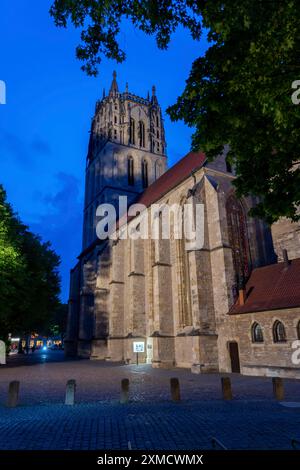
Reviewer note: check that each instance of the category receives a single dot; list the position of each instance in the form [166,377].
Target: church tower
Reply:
[127,151]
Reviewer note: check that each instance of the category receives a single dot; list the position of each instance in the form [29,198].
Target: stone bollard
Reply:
[278,389]
[175,389]
[70,392]
[226,388]
[124,390]
[13,394]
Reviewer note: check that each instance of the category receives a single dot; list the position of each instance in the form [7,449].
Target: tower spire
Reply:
[154,98]
[114,86]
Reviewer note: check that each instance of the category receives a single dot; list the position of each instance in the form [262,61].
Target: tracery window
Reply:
[132,131]
[184,285]
[142,133]
[158,169]
[257,334]
[145,173]
[279,335]
[228,165]
[130,171]
[238,238]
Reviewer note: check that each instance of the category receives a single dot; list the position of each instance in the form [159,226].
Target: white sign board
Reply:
[138,346]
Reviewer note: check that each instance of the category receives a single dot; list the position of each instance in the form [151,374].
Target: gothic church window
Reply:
[238,238]
[279,335]
[257,334]
[298,330]
[145,173]
[130,171]
[228,165]
[132,131]
[115,119]
[158,169]
[142,133]
[185,314]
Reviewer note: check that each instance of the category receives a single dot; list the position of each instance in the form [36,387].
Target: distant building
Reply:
[226,306]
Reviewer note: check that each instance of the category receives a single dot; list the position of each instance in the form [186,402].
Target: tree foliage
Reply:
[57,325]
[29,279]
[238,93]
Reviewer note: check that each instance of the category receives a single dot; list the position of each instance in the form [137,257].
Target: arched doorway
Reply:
[233,349]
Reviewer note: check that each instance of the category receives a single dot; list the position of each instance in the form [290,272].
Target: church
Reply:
[231,305]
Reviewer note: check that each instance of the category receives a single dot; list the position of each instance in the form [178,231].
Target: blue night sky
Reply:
[44,127]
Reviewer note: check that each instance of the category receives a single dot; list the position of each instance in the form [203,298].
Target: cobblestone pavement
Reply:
[252,420]
[166,426]
[43,380]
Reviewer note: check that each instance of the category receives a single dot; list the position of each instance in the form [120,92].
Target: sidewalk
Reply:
[168,426]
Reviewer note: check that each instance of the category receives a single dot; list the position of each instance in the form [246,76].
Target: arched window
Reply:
[279,335]
[158,169]
[115,119]
[142,133]
[157,121]
[257,334]
[132,131]
[238,238]
[228,165]
[184,281]
[130,171]
[298,330]
[145,173]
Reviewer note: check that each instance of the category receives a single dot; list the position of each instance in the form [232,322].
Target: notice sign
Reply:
[138,346]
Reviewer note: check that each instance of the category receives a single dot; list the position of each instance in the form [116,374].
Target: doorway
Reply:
[234,356]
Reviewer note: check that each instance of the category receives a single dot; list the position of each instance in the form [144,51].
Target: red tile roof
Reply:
[271,287]
[171,178]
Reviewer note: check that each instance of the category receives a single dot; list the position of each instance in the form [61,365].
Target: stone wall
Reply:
[175,301]
[286,235]
[267,358]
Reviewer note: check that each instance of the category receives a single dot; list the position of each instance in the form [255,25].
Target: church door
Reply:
[234,356]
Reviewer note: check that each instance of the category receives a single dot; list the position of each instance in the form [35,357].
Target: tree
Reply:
[238,93]
[29,279]
[57,324]
[12,267]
